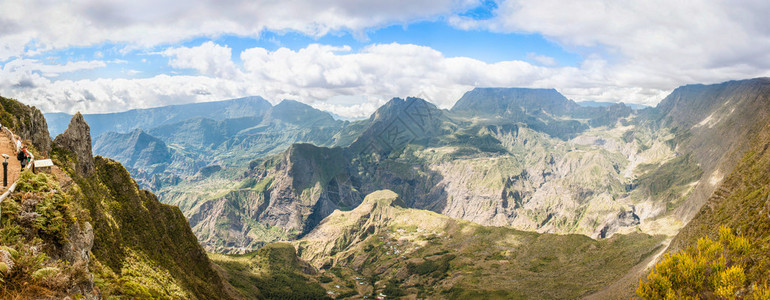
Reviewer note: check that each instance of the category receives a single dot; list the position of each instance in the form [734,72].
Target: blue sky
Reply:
[489,47]
[349,57]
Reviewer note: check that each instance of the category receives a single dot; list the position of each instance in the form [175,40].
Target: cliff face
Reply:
[302,186]
[85,227]
[715,124]
[143,247]
[474,164]
[27,122]
[742,203]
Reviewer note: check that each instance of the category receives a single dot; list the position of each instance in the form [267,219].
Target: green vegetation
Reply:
[668,183]
[741,203]
[37,217]
[272,272]
[138,242]
[13,114]
[710,268]
[415,252]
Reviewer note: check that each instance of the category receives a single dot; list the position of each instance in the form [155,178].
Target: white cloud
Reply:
[49,70]
[325,77]
[208,58]
[656,44]
[634,51]
[145,23]
[542,59]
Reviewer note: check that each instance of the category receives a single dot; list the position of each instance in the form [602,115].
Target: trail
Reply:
[14,167]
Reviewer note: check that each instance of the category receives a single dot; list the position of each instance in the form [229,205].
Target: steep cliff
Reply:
[742,203]
[27,122]
[715,124]
[284,198]
[474,165]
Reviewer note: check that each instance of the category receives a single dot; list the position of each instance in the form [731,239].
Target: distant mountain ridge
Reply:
[123,122]
[200,141]
[605,104]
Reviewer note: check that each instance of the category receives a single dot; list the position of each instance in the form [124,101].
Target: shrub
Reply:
[54,213]
[709,268]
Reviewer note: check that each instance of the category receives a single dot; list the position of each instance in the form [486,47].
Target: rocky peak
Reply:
[77,138]
[299,113]
[398,123]
[494,101]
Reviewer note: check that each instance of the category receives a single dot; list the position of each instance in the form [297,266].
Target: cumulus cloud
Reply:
[208,58]
[50,25]
[50,70]
[349,83]
[542,59]
[656,44]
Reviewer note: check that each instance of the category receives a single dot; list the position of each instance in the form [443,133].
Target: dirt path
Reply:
[14,167]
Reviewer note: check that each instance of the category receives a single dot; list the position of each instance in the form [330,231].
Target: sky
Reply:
[349,57]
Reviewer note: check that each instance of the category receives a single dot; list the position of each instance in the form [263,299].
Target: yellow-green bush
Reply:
[707,270]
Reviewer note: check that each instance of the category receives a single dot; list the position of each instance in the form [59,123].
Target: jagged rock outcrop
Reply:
[77,139]
[472,164]
[76,251]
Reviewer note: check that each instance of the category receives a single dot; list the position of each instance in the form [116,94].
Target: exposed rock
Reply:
[79,243]
[714,123]
[27,122]
[307,184]
[624,219]
[76,251]
[36,131]
[77,138]
[7,259]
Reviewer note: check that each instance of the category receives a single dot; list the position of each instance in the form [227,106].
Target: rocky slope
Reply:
[26,122]
[302,186]
[742,203]
[715,123]
[736,211]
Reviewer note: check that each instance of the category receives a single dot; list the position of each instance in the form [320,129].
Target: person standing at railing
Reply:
[23,157]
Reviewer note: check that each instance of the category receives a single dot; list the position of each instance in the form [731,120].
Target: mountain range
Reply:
[511,193]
